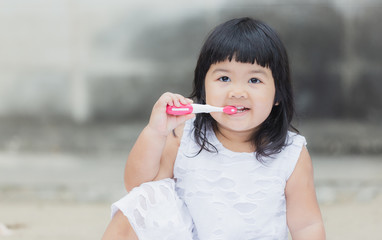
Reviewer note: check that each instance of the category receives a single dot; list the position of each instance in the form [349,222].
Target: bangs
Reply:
[241,45]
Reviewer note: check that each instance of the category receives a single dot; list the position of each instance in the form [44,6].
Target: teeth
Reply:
[241,109]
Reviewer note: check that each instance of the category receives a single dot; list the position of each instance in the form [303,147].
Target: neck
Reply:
[234,140]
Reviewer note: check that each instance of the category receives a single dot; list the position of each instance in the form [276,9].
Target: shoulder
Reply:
[304,163]
[303,170]
[296,143]
[287,159]
[295,139]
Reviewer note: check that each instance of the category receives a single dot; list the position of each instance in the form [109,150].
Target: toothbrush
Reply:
[199,108]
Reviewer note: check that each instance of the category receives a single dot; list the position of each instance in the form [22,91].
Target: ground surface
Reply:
[58,181]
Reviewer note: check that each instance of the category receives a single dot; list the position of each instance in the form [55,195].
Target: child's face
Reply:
[249,87]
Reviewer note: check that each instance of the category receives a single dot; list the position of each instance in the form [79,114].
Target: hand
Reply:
[163,123]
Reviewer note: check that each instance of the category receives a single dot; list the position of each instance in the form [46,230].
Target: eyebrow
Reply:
[228,71]
[220,70]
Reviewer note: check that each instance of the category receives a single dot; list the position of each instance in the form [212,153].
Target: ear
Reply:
[277,100]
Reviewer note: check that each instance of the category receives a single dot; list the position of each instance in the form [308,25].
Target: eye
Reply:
[254,80]
[224,79]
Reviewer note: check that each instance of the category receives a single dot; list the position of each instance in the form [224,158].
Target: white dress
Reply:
[224,195]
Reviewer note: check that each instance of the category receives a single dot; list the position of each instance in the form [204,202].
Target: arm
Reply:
[303,213]
[154,148]
[166,169]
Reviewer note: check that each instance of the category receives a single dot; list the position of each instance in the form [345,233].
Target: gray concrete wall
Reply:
[110,60]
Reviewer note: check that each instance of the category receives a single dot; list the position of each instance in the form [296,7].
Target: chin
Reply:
[236,127]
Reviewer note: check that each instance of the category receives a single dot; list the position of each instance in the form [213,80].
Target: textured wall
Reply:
[92,60]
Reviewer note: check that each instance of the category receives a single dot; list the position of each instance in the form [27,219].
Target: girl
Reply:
[219,176]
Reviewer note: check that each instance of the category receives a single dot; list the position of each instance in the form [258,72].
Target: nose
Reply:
[238,92]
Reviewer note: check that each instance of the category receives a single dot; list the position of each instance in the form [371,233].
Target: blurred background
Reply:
[78,79]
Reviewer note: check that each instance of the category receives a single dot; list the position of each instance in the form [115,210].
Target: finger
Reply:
[179,100]
[166,99]
[184,100]
[171,99]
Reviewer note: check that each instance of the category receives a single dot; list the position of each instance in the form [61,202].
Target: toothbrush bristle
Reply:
[230,110]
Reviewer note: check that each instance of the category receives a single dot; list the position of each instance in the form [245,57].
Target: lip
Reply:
[239,112]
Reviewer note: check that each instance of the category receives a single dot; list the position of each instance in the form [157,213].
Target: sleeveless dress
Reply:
[223,195]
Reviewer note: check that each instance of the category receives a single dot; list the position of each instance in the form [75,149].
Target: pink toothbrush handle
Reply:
[183,110]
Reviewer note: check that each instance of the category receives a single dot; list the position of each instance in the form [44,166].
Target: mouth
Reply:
[241,109]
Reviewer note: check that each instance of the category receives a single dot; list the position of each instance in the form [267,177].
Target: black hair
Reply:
[248,41]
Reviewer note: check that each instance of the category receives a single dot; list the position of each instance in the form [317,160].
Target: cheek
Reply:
[265,100]
[212,95]
[269,94]
[211,99]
